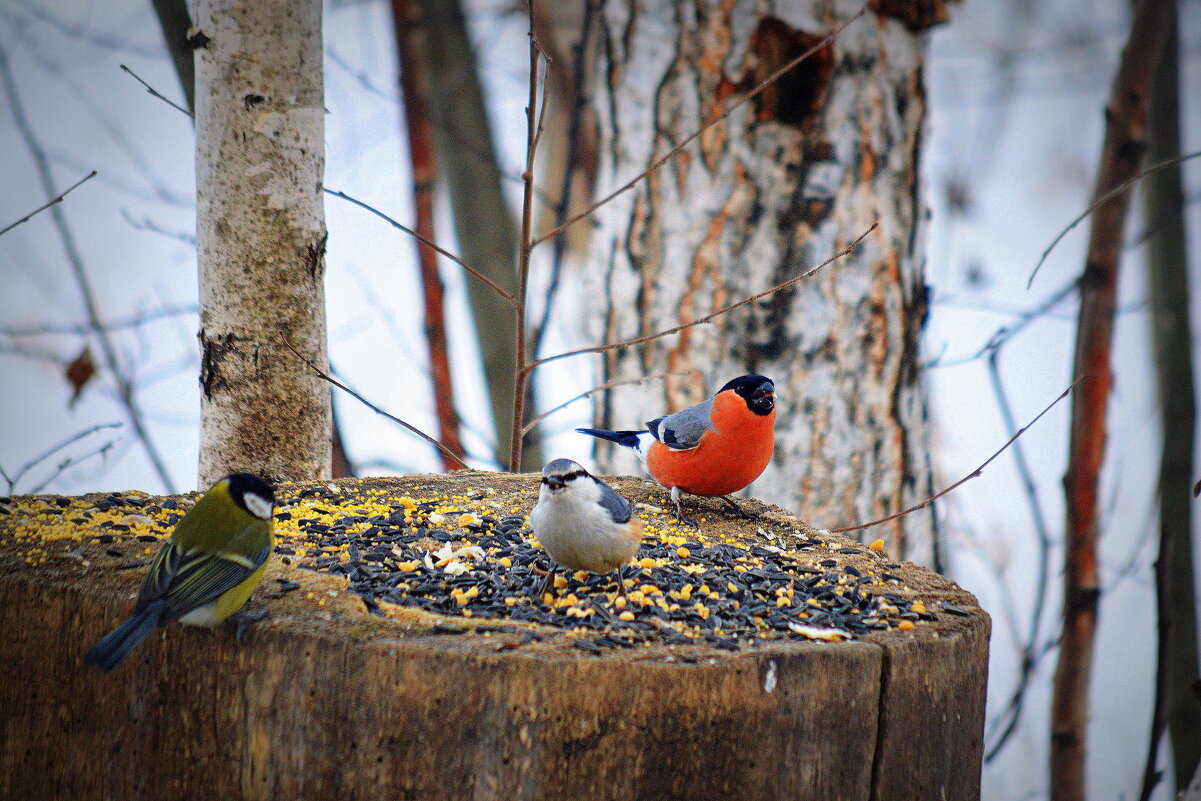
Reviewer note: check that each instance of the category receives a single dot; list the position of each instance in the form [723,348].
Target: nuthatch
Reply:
[583,523]
[712,449]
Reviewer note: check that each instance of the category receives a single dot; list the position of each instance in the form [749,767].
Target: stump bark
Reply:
[323,700]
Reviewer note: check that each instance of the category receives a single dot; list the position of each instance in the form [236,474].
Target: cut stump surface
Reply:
[404,657]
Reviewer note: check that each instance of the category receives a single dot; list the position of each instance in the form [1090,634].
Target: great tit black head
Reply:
[252,494]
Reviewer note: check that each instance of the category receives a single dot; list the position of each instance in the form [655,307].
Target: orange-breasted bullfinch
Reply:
[203,574]
[712,449]
[583,523]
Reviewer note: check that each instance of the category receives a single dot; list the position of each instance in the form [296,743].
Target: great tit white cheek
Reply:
[259,506]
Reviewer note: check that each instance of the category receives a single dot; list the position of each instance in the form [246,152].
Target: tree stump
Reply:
[335,696]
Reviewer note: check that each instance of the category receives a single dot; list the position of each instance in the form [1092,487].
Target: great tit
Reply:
[212,563]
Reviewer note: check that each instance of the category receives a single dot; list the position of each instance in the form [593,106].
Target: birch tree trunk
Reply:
[781,185]
[260,232]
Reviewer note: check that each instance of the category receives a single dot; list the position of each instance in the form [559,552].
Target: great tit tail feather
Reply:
[117,644]
[628,439]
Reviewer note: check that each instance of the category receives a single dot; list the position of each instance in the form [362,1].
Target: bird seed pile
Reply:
[461,547]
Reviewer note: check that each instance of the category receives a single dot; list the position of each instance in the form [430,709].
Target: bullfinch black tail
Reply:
[117,644]
[628,439]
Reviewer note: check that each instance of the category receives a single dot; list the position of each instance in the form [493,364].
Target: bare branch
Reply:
[419,237]
[327,377]
[589,393]
[1029,661]
[146,224]
[124,384]
[71,461]
[35,461]
[708,317]
[157,93]
[1124,186]
[521,374]
[974,474]
[730,109]
[134,321]
[43,207]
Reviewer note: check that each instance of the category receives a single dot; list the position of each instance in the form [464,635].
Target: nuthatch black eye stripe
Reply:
[566,477]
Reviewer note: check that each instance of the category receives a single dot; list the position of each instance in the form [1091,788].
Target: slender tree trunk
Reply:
[484,225]
[260,230]
[1167,287]
[1121,153]
[419,127]
[782,184]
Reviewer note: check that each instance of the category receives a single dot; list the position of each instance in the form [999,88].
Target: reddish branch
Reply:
[421,154]
[1121,153]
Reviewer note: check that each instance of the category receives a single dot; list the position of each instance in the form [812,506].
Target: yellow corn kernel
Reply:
[905,625]
[878,545]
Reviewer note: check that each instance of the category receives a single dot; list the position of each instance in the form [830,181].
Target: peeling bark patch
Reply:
[212,354]
[797,96]
[916,16]
[314,257]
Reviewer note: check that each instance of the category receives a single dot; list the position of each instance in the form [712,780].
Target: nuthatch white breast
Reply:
[711,449]
[583,523]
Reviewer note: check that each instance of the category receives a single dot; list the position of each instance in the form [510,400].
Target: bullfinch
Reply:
[711,449]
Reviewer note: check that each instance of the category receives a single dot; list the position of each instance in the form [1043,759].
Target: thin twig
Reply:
[71,461]
[75,260]
[1101,201]
[134,321]
[157,93]
[730,109]
[327,377]
[1014,711]
[974,474]
[146,224]
[35,461]
[419,237]
[589,393]
[708,317]
[42,208]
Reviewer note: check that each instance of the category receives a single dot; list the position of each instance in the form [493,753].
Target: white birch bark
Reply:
[778,187]
[260,231]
